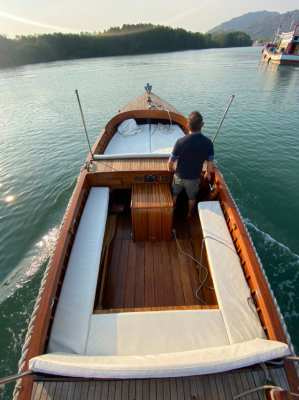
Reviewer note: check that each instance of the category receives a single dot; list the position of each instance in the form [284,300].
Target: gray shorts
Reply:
[191,186]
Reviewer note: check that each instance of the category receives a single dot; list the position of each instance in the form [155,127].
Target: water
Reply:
[42,148]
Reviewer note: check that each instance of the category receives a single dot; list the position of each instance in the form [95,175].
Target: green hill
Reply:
[125,40]
[260,25]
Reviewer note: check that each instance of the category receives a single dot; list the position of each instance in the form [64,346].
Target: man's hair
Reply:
[195,121]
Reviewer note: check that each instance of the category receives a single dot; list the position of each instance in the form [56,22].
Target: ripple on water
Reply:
[282,268]
[42,147]
[30,265]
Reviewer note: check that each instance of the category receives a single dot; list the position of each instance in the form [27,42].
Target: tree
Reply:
[125,40]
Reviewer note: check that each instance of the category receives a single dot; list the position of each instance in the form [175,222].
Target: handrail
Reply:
[15,377]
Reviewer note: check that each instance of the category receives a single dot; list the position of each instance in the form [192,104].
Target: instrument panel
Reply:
[153,178]
[119,179]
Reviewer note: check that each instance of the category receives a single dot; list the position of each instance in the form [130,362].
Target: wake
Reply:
[32,262]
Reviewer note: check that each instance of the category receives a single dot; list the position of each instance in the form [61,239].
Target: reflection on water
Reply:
[9,199]
[282,78]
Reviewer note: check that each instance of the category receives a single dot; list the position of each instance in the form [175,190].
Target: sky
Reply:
[21,17]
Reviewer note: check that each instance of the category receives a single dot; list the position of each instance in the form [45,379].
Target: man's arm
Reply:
[171,164]
[209,170]
[210,164]
[174,157]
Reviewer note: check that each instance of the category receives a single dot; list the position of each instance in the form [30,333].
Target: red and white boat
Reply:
[284,49]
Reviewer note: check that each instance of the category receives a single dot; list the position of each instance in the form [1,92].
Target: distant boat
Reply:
[284,49]
[137,302]
[258,43]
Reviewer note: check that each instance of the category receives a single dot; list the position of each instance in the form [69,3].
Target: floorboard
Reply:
[145,274]
[211,387]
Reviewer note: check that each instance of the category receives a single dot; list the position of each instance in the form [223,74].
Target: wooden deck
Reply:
[130,165]
[211,387]
[148,274]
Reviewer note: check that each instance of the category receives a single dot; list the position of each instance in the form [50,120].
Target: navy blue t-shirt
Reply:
[191,152]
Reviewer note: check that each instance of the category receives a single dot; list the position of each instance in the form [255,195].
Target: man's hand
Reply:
[209,170]
[208,176]
[171,165]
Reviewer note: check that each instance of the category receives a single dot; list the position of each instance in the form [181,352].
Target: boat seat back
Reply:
[233,294]
[75,306]
[185,363]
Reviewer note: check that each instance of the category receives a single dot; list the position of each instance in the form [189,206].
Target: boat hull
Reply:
[282,59]
[128,172]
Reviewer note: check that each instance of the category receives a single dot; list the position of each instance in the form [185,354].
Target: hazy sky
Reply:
[37,16]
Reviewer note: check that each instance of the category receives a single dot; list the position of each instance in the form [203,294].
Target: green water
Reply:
[42,148]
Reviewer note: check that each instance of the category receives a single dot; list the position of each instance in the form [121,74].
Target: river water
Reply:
[42,148]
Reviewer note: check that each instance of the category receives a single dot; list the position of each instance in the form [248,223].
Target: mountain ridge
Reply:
[260,25]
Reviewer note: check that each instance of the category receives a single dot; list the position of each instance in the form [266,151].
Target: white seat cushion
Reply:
[134,142]
[233,294]
[155,332]
[197,362]
[145,139]
[163,137]
[71,321]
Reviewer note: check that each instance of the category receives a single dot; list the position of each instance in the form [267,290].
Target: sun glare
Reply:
[9,199]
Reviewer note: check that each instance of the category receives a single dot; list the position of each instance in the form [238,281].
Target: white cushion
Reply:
[132,142]
[155,332]
[197,362]
[130,156]
[233,294]
[128,127]
[71,322]
[163,137]
[145,139]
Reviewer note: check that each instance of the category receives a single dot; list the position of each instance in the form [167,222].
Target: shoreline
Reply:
[118,55]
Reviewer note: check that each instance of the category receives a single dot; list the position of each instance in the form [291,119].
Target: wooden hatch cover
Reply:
[152,209]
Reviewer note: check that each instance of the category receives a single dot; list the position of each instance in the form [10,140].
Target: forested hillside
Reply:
[260,25]
[125,40]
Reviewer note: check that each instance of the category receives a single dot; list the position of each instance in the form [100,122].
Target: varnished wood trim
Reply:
[276,394]
[142,309]
[39,335]
[257,282]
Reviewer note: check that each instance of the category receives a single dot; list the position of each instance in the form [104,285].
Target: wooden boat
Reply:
[139,303]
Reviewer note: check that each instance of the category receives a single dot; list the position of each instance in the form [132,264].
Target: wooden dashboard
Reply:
[126,173]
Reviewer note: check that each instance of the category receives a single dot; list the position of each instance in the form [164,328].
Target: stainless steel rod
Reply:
[12,378]
[84,123]
[224,115]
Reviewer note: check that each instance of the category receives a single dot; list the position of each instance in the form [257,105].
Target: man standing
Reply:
[187,158]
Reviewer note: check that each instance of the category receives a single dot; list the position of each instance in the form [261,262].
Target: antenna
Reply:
[84,124]
[224,115]
[292,24]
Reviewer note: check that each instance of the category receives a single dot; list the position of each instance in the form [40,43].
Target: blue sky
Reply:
[37,16]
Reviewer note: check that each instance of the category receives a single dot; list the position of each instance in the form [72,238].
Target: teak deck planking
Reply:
[154,275]
[205,387]
[129,165]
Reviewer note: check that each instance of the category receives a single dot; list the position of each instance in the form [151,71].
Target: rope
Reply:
[106,165]
[202,283]
[257,389]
